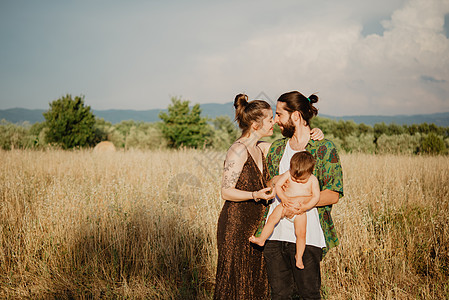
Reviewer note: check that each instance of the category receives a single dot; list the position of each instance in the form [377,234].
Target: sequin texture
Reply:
[241,270]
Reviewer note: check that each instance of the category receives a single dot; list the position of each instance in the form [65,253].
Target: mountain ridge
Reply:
[212,110]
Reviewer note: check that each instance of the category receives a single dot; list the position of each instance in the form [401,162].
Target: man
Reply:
[293,114]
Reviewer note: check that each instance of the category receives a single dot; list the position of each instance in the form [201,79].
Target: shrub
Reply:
[145,136]
[395,144]
[14,136]
[363,143]
[433,144]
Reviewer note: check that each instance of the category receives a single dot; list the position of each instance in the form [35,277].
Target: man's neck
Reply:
[301,138]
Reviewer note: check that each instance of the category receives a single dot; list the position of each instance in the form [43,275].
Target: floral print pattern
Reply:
[330,176]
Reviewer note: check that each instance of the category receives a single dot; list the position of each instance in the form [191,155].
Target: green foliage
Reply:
[403,143]
[225,132]
[325,124]
[347,135]
[433,144]
[365,129]
[345,128]
[103,130]
[145,136]
[183,126]
[38,132]
[363,143]
[14,136]
[70,123]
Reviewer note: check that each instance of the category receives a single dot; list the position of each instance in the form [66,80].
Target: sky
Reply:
[383,57]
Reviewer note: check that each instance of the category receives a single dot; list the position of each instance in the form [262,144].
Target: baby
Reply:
[301,182]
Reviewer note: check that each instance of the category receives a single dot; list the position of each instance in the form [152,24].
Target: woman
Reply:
[241,269]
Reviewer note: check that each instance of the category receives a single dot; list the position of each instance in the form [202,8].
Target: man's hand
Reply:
[294,205]
[285,185]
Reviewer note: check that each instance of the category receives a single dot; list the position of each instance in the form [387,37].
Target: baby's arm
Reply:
[279,183]
[273,181]
[315,194]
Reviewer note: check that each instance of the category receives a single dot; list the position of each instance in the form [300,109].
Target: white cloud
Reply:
[352,73]
[136,55]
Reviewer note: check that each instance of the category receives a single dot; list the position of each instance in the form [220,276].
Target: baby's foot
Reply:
[257,240]
[299,263]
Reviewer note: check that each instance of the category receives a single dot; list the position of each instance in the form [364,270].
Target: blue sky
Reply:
[362,57]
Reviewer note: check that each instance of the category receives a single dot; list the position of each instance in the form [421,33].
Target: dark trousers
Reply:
[285,279]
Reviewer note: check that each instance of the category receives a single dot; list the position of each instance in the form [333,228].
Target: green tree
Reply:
[70,123]
[424,128]
[103,130]
[395,129]
[365,129]
[379,129]
[412,129]
[433,144]
[325,124]
[183,126]
[345,128]
[225,132]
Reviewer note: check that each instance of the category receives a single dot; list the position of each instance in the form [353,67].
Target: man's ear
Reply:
[295,116]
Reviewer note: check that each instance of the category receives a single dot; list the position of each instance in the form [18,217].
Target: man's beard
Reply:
[288,129]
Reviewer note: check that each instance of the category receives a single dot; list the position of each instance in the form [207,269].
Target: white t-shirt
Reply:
[285,230]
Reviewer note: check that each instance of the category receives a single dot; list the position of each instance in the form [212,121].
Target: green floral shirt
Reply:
[327,170]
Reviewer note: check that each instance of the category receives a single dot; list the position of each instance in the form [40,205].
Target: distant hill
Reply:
[212,110]
[20,115]
[439,119]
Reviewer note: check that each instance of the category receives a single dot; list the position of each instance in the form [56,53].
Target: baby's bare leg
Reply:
[267,230]
[300,231]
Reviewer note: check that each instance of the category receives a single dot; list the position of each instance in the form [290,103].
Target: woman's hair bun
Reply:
[240,101]
[246,113]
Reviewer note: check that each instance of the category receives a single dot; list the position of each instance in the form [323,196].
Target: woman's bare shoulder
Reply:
[237,151]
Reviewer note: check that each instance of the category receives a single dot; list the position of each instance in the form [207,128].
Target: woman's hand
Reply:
[264,194]
[316,134]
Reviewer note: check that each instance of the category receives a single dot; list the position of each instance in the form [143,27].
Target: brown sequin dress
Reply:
[241,270]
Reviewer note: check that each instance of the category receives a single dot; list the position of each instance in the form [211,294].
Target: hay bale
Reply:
[104,147]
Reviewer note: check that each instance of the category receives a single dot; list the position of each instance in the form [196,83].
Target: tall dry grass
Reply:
[393,227]
[142,225]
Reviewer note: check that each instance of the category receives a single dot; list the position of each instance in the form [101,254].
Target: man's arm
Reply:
[328,197]
[332,189]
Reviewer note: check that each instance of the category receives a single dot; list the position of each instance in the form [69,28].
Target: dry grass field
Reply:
[141,225]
